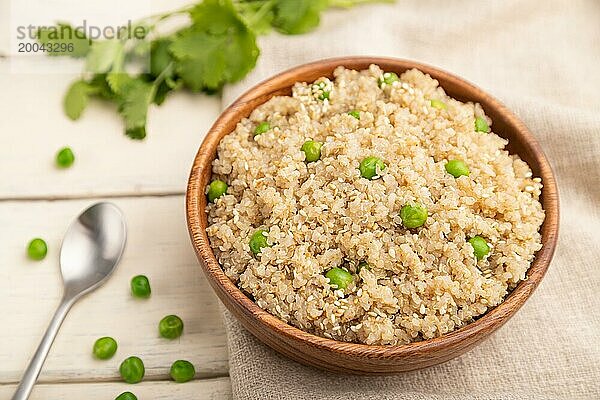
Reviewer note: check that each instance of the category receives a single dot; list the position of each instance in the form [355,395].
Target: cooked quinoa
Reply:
[419,283]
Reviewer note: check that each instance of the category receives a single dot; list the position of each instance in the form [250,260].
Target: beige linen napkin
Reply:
[542,59]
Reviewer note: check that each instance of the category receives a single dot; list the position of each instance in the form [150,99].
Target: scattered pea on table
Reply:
[126,396]
[182,371]
[132,369]
[216,189]
[370,167]
[388,78]
[140,286]
[312,150]
[262,128]
[65,157]
[105,348]
[413,216]
[37,249]
[480,247]
[339,277]
[481,125]
[457,168]
[170,327]
[258,241]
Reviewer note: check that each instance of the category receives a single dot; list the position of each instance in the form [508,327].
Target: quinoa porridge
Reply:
[372,208]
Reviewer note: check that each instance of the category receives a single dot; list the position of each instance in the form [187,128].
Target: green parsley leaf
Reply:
[59,36]
[160,57]
[218,47]
[216,17]
[76,99]
[258,15]
[138,133]
[118,81]
[104,55]
[161,93]
[101,88]
[201,63]
[137,96]
[294,17]
[207,60]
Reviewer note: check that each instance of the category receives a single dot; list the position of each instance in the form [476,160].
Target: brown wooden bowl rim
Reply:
[489,321]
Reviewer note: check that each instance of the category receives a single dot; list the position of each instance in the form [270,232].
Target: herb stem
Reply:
[262,11]
[161,77]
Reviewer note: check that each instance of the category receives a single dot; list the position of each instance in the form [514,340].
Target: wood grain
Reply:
[349,357]
[157,247]
[205,389]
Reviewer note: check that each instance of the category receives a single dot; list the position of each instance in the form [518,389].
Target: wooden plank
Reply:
[33,127]
[217,389]
[158,246]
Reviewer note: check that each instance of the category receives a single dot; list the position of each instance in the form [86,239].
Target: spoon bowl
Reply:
[91,248]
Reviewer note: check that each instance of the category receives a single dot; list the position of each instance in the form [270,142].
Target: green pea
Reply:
[140,286]
[320,89]
[312,150]
[324,95]
[126,396]
[258,240]
[440,105]
[65,157]
[216,189]
[339,278]
[388,78]
[182,371]
[481,125]
[105,348]
[457,168]
[355,114]
[370,167]
[37,249]
[132,370]
[413,216]
[480,247]
[361,265]
[170,327]
[262,128]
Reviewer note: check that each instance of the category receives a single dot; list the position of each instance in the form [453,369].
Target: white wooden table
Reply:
[147,181]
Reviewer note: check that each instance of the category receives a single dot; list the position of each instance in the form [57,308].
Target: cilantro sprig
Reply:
[217,47]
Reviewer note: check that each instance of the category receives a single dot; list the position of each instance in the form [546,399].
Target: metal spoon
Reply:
[91,249]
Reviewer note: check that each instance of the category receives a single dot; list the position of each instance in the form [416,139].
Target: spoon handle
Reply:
[36,363]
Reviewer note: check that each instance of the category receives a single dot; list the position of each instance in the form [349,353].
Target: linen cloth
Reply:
[542,59]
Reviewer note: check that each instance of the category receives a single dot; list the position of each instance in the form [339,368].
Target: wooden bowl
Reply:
[355,358]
